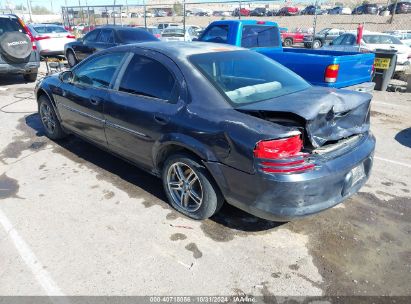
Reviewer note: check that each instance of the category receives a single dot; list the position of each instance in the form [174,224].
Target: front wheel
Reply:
[189,187]
[317,44]
[288,42]
[49,119]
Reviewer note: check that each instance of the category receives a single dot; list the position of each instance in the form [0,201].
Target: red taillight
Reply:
[71,36]
[28,33]
[260,22]
[282,155]
[372,69]
[331,73]
[37,38]
[157,35]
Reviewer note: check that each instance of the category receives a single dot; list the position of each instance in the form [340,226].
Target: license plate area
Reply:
[382,63]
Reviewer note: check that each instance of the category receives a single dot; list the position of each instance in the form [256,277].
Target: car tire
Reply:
[30,77]
[288,42]
[317,44]
[195,193]
[49,119]
[71,58]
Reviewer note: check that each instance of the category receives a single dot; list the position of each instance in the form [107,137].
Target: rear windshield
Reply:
[131,36]
[381,39]
[260,36]
[245,77]
[10,25]
[49,29]
[173,32]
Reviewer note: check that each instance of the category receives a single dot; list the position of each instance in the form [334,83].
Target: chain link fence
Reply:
[288,15]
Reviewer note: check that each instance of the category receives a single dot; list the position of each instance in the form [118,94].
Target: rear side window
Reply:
[217,33]
[10,25]
[260,36]
[130,36]
[147,77]
[98,72]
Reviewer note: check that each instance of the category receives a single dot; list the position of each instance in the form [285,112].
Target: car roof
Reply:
[8,16]
[246,22]
[180,49]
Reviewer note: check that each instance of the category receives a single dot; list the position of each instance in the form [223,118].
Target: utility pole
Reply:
[29,8]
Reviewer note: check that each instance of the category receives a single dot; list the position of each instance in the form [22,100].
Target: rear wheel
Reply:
[30,77]
[189,187]
[71,58]
[288,42]
[49,119]
[317,44]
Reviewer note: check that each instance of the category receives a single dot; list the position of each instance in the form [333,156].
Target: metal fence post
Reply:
[393,11]
[239,9]
[145,14]
[314,23]
[184,19]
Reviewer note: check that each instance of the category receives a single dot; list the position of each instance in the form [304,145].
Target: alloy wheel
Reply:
[185,187]
[47,118]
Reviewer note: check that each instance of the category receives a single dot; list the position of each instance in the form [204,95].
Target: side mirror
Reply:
[66,76]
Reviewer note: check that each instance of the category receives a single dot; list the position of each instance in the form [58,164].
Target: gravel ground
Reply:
[77,221]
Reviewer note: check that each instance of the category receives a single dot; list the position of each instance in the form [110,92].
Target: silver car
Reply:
[178,34]
[50,39]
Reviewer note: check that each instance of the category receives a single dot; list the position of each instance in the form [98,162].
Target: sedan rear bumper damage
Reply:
[282,197]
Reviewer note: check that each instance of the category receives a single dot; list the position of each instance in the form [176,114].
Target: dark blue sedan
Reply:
[216,123]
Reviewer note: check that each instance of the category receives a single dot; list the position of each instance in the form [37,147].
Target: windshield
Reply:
[381,39]
[245,77]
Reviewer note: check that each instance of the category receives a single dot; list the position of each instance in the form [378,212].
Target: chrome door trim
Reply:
[121,128]
[82,113]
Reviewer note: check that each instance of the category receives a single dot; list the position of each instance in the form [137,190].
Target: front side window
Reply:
[260,36]
[339,39]
[217,33]
[106,36]
[350,40]
[147,77]
[98,71]
[245,77]
[92,36]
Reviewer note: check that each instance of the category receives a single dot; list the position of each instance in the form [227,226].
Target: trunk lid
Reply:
[327,114]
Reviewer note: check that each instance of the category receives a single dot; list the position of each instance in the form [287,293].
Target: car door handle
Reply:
[95,100]
[160,119]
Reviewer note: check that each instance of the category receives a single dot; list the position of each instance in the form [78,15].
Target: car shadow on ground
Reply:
[228,216]
[9,79]
[404,137]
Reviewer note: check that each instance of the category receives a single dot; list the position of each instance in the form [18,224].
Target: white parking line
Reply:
[393,161]
[389,104]
[41,275]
